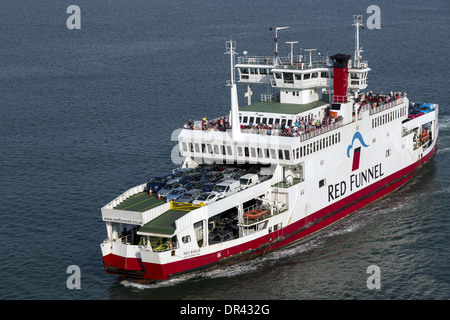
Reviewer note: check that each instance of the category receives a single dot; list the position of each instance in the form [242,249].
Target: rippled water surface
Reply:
[86,114]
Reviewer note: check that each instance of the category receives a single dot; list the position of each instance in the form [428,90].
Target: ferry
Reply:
[316,147]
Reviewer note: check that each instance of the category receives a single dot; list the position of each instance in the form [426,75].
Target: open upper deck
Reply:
[283,108]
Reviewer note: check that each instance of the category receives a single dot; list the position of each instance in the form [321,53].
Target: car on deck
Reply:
[189,196]
[175,194]
[157,182]
[206,198]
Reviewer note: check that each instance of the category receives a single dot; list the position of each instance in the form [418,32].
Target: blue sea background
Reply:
[87,114]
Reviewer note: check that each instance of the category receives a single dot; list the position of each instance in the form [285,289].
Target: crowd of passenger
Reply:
[300,127]
[377,100]
[220,124]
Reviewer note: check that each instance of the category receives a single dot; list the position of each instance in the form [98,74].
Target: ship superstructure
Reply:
[315,148]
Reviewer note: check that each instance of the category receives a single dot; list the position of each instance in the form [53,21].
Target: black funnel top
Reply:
[340,60]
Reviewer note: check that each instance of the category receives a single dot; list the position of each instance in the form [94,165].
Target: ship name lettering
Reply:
[356,181]
[191,252]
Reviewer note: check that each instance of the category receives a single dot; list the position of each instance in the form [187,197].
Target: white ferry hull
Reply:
[142,267]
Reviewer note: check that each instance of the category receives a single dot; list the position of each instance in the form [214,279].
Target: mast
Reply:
[310,56]
[235,127]
[291,57]
[276,58]
[357,22]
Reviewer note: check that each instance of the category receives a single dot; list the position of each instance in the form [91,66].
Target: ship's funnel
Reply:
[340,79]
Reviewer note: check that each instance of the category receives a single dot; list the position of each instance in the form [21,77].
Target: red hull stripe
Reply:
[288,234]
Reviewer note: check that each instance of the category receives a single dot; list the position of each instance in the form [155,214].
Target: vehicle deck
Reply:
[140,202]
[285,108]
[163,224]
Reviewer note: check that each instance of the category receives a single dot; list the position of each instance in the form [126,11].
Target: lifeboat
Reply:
[256,213]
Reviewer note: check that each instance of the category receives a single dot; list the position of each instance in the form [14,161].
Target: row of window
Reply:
[318,145]
[289,76]
[388,117]
[241,151]
[271,121]
[262,71]
[264,153]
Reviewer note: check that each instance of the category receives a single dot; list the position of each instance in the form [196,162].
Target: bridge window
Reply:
[280,154]
[288,77]
[186,239]
[287,155]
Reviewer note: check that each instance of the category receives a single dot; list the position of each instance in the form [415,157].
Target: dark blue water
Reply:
[86,114]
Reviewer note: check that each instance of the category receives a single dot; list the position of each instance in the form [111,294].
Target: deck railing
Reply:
[386,106]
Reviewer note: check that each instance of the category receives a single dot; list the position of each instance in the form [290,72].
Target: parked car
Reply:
[189,196]
[248,180]
[175,194]
[208,186]
[206,198]
[193,185]
[212,176]
[221,237]
[157,182]
[414,113]
[237,175]
[167,188]
[426,107]
[189,178]
[210,168]
[180,173]
[228,172]
[226,188]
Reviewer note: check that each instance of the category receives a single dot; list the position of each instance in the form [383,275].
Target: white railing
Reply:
[303,84]
[296,63]
[125,195]
[340,99]
[256,60]
[294,134]
[270,97]
[131,217]
[386,106]
[319,131]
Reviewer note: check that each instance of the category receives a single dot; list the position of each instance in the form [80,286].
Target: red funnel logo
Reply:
[356,157]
